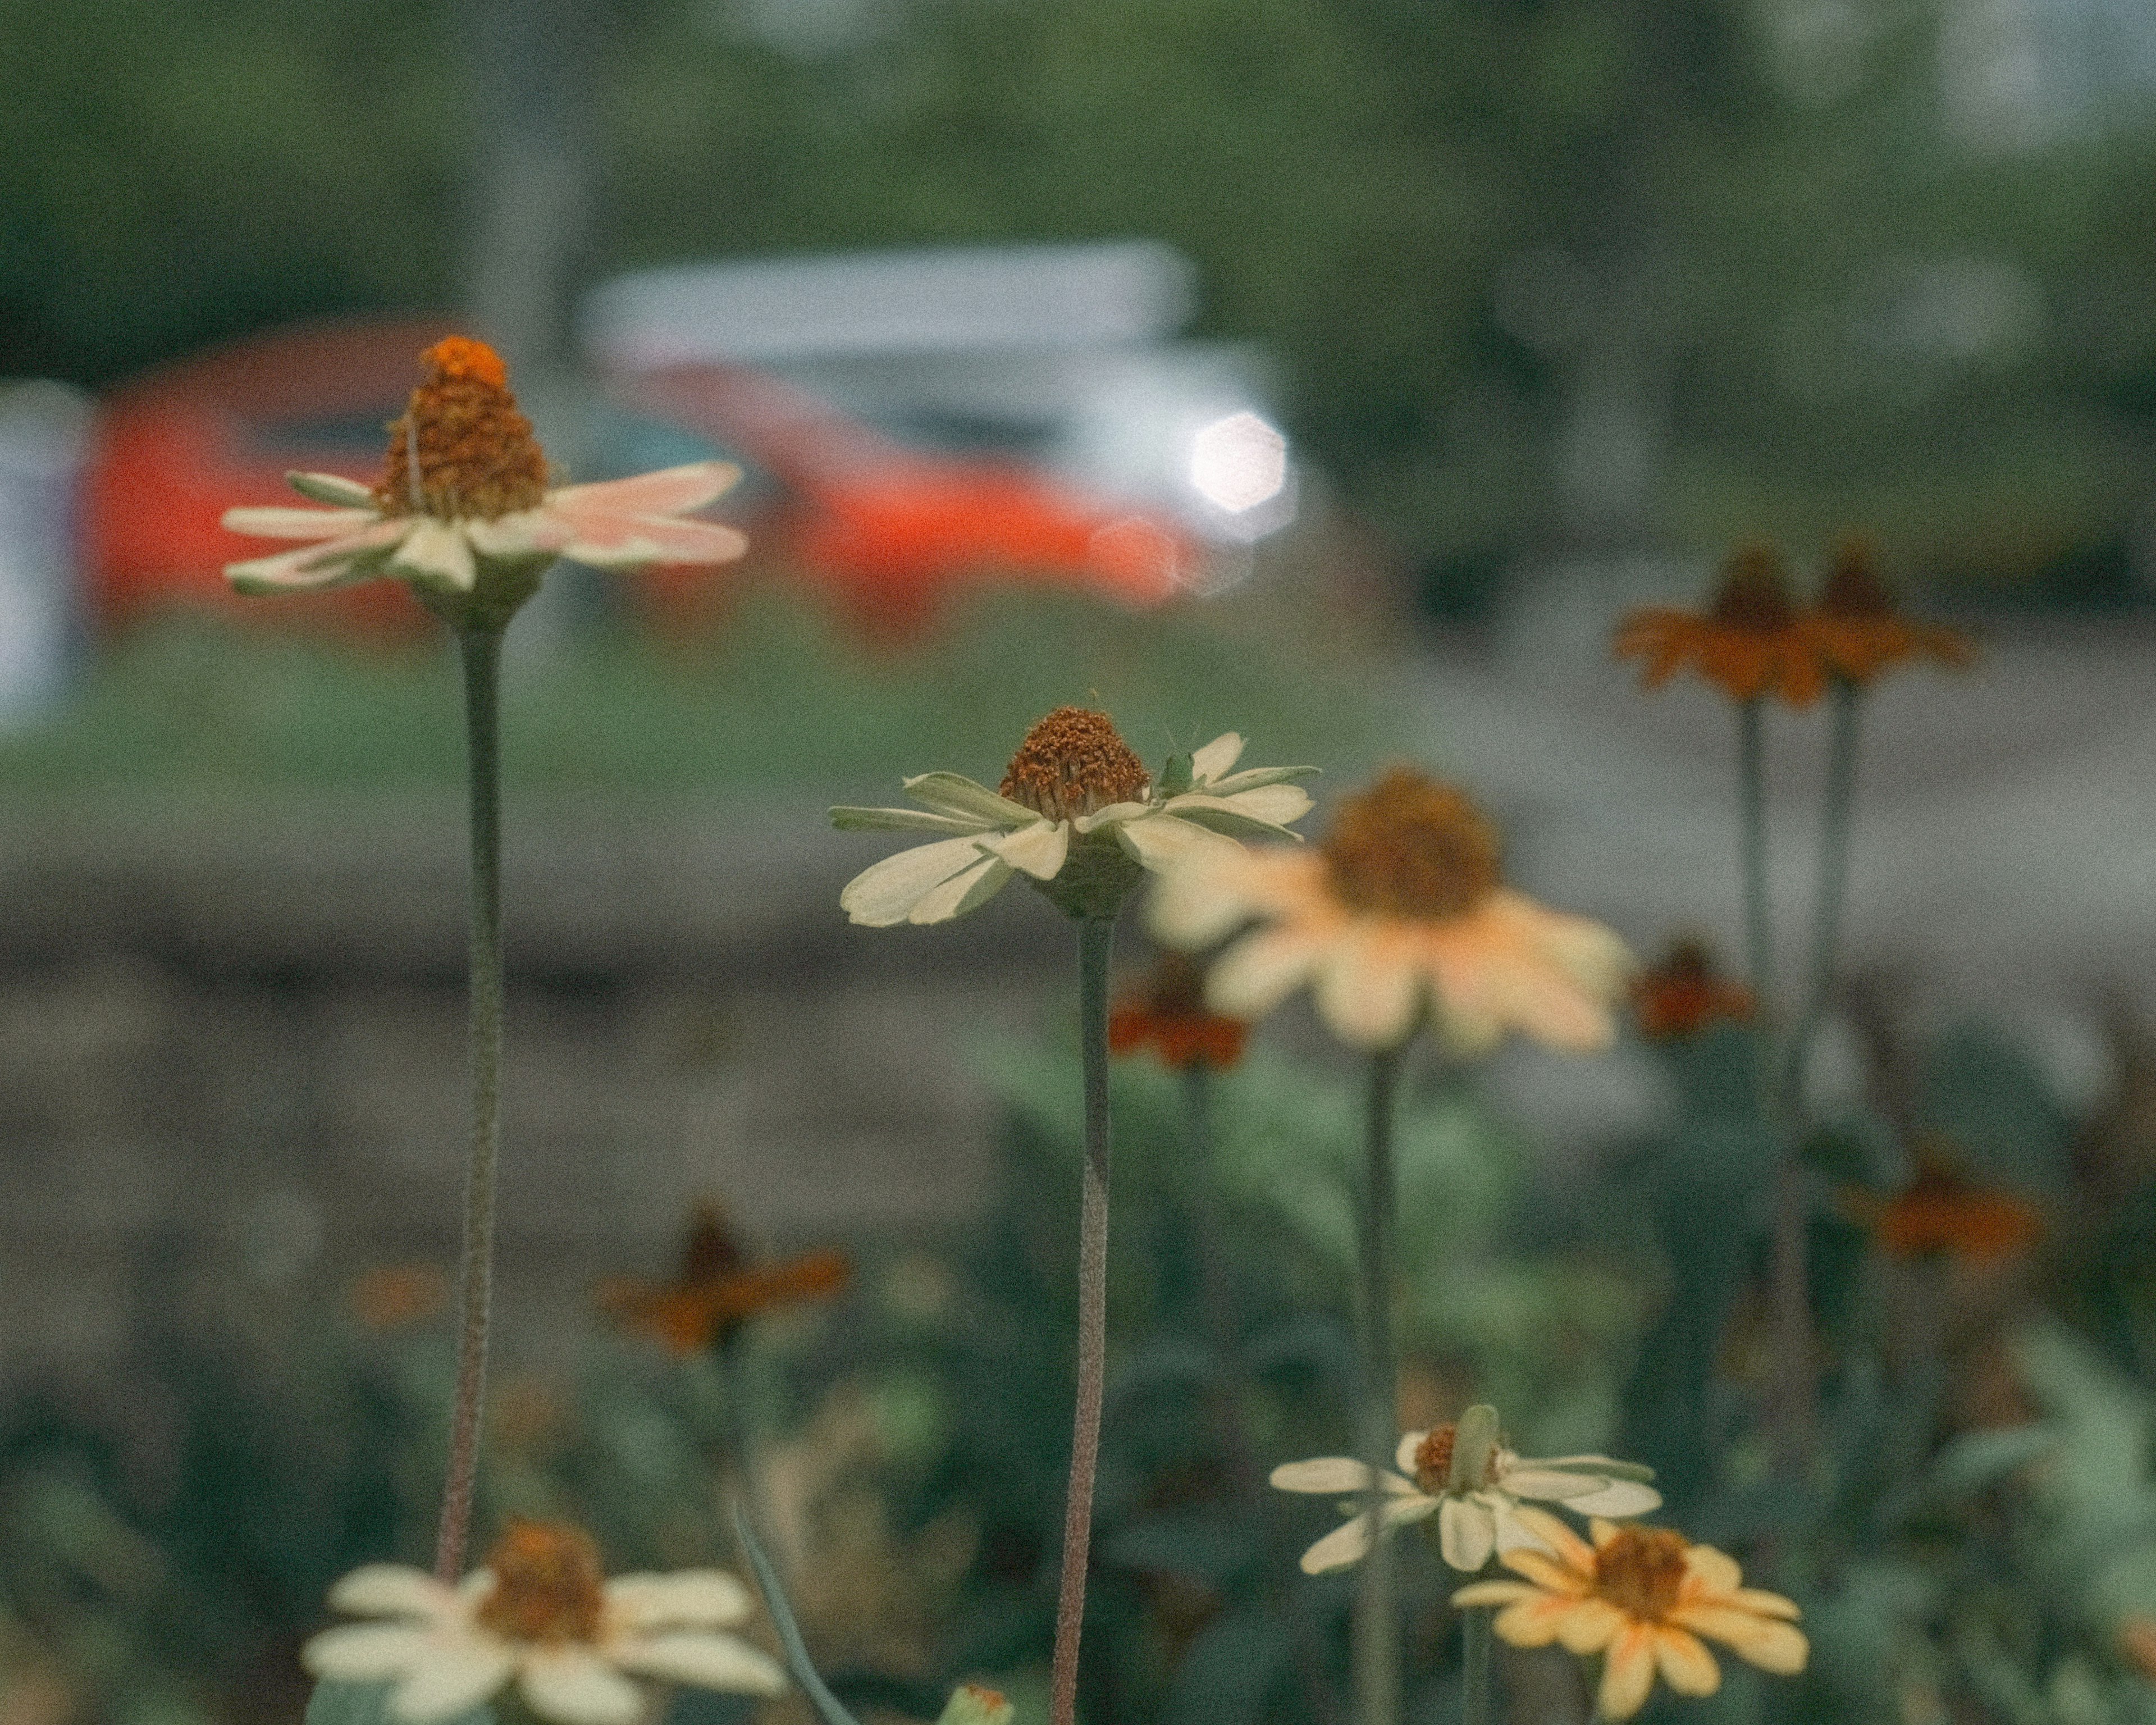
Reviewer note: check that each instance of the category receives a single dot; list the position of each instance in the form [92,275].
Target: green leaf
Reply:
[827,1705]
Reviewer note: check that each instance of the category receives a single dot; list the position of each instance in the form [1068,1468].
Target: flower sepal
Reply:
[501,587]
[1096,876]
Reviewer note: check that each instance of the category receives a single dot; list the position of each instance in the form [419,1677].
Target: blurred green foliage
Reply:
[1484,236]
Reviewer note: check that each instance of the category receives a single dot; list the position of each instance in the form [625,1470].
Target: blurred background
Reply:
[1333,370]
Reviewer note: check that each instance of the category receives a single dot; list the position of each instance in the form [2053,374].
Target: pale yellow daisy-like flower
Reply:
[1641,1597]
[1476,1514]
[465,486]
[1398,915]
[1076,812]
[541,1615]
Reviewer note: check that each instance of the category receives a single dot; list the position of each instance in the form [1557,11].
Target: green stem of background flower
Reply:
[1376,1659]
[1752,797]
[1833,887]
[481,647]
[1096,936]
[1475,1668]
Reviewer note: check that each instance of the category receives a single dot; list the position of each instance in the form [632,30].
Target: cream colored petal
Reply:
[455,1676]
[1347,1543]
[1467,1533]
[1628,1672]
[1368,988]
[1572,1551]
[893,820]
[391,1590]
[1274,804]
[1333,1476]
[1535,1620]
[333,489]
[1544,1570]
[1261,970]
[1583,1494]
[1038,850]
[366,1652]
[608,541]
[572,1685]
[525,534]
[287,521]
[968,889]
[1590,1626]
[671,490]
[1714,1571]
[1231,817]
[1252,778]
[1404,1451]
[1687,1665]
[701,1597]
[1495,1593]
[884,894]
[1108,815]
[357,556]
[438,551]
[710,1660]
[954,793]
[1216,757]
[1163,843]
[1759,1600]
[1767,1642]
[1513,1534]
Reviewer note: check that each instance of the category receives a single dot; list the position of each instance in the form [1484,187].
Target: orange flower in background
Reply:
[1642,1597]
[1861,632]
[1686,992]
[1401,913]
[717,1289]
[395,1297]
[1171,1017]
[1750,642]
[1940,1212]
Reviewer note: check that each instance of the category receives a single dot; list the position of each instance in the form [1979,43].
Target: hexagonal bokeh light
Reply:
[1238,462]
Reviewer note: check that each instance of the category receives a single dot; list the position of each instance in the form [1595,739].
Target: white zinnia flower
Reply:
[1475,1516]
[465,485]
[541,1615]
[1076,807]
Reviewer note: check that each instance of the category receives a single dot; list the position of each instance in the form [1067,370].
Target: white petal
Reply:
[1255,974]
[1619,1499]
[1200,897]
[1216,757]
[884,895]
[510,535]
[435,551]
[1347,1543]
[1252,778]
[391,1590]
[1404,1453]
[687,1596]
[1109,813]
[571,1684]
[1038,849]
[334,489]
[628,542]
[1331,1475]
[454,1676]
[891,820]
[336,563]
[367,1652]
[710,1660]
[1161,842]
[671,490]
[1467,1533]
[1369,991]
[1513,1533]
[954,793]
[967,890]
[288,521]
[1275,804]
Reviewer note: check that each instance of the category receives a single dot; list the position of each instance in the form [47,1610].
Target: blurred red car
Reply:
[884,527]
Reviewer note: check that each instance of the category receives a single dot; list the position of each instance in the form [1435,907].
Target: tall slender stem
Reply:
[1096,941]
[1376,1659]
[1475,1668]
[1833,887]
[1752,796]
[481,647]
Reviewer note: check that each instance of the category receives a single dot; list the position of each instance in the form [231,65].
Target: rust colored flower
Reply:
[1750,642]
[716,1289]
[395,1297]
[1685,994]
[1860,630]
[1401,913]
[1643,1598]
[1942,1213]
[2137,1644]
[1170,1017]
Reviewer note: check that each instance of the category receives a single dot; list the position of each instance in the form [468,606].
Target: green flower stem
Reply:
[1376,1659]
[1833,886]
[481,647]
[1096,936]
[1752,796]
[1475,1669]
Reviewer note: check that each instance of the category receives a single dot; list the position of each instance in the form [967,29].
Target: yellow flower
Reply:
[1398,914]
[464,488]
[1076,812]
[1641,1597]
[541,1615]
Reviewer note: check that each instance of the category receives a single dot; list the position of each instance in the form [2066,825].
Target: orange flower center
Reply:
[1853,588]
[1411,847]
[1754,595]
[548,1584]
[475,453]
[1641,1571]
[1433,1460]
[1073,762]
